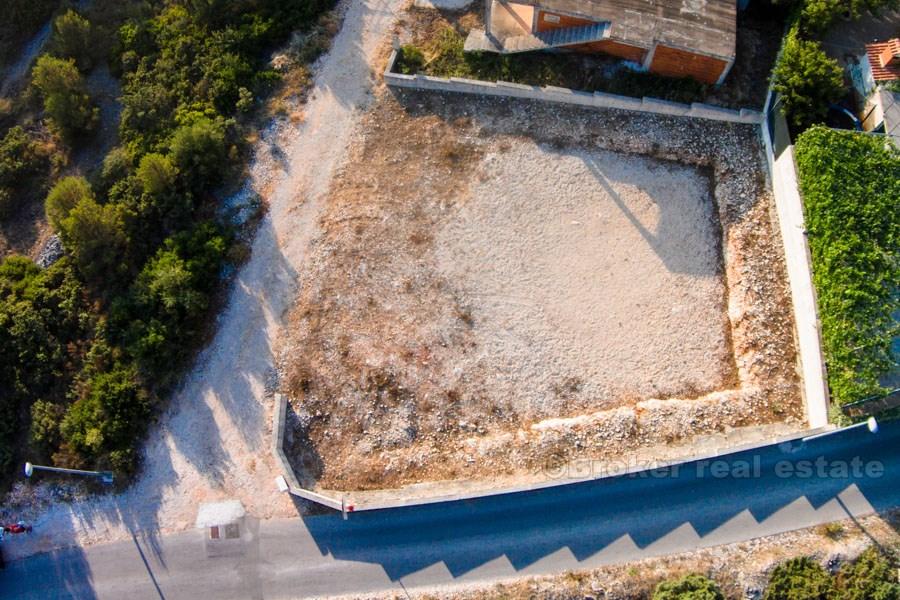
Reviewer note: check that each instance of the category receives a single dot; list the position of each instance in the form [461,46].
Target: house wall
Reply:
[626,51]
[673,62]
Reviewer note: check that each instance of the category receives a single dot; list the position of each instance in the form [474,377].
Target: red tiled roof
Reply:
[876,52]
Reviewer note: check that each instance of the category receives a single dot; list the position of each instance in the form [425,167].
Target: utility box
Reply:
[224,529]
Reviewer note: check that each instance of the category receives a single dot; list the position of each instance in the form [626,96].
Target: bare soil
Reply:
[499,286]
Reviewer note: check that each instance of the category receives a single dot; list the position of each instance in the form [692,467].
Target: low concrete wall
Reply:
[789,205]
[281,460]
[567,96]
[346,505]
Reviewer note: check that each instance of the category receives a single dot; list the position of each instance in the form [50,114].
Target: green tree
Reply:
[819,15]
[63,197]
[199,151]
[799,579]
[92,233]
[869,577]
[42,320]
[21,159]
[66,101]
[73,38]
[690,587]
[45,419]
[807,81]
[110,416]
[117,164]
[157,175]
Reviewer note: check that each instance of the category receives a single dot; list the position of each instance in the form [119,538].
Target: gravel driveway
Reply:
[213,441]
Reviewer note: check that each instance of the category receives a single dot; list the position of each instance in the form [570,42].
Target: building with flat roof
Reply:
[675,38]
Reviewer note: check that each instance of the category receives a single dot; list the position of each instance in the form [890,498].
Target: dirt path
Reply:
[213,441]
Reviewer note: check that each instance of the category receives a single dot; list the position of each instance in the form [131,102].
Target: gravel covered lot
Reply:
[589,270]
[499,286]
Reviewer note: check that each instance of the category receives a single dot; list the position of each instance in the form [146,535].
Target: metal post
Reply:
[105,476]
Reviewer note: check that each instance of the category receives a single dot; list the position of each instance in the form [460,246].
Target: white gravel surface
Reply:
[596,267]
[213,441]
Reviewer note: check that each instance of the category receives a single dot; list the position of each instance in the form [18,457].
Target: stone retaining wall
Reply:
[567,96]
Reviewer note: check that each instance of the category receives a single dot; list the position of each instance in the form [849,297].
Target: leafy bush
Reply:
[92,233]
[43,319]
[850,184]
[807,81]
[66,101]
[799,579]
[73,38]
[410,60]
[200,152]
[869,577]
[109,417]
[690,587]
[819,15]
[21,160]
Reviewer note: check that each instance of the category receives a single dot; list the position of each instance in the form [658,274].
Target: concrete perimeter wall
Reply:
[347,505]
[789,205]
[281,460]
[567,96]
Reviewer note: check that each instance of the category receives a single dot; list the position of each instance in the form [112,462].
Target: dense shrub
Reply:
[22,159]
[94,234]
[819,15]
[43,324]
[66,101]
[73,38]
[869,577]
[690,587]
[108,418]
[851,185]
[200,153]
[807,80]
[799,579]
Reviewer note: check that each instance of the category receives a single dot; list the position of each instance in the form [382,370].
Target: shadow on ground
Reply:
[627,517]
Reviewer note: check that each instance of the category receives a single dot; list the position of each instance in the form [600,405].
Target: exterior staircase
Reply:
[478,40]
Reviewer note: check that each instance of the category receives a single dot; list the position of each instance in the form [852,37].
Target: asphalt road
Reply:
[744,496]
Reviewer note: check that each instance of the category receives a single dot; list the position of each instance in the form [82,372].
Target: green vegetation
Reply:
[807,80]
[817,16]
[73,38]
[66,101]
[851,185]
[869,577]
[444,57]
[22,160]
[799,579]
[690,587]
[89,345]
[872,576]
